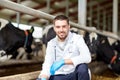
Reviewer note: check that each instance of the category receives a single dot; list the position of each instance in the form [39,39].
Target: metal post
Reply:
[98,16]
[67,7]
[104,19]
[48,8]
[109,23]
[18,16]
[115,16]
[90,12]
[82,6]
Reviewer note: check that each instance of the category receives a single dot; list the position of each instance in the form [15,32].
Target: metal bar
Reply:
[115,16]
[24,9]
[82,7]
[67,8]
[18,15]
[93,30]
[40,14]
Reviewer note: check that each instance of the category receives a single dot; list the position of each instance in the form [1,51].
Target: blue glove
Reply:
[56,65]
[41,79]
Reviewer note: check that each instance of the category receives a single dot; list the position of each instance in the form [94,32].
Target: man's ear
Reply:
[31,30]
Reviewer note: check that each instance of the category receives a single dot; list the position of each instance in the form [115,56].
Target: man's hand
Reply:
[55,66]
[41,79]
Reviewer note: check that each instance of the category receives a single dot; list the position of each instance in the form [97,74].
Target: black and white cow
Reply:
[12,38]
[92,41]
[99,45]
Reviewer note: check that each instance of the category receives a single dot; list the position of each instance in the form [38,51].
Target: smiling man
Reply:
[67,54]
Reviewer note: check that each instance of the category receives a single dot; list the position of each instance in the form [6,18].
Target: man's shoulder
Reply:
[52,41]
[77,39]
[77,35]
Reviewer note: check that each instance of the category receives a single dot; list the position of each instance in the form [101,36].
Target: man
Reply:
[67,54]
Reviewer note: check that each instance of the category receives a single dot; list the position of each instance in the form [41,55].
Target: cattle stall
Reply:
[23,9]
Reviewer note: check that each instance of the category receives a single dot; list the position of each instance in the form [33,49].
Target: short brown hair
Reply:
[61,17]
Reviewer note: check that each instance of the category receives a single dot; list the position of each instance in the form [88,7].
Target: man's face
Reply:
[61,28]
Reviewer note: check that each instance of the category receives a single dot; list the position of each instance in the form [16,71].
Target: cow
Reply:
[12,38]
[99,45]
[92,41]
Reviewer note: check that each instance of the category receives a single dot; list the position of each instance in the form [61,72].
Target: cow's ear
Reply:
[31,30]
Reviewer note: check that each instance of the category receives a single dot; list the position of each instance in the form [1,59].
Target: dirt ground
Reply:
[100,71]
[107,75]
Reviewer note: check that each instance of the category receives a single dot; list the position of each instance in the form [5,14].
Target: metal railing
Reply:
[36,13]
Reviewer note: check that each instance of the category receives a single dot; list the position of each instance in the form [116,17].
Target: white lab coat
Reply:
[74,48]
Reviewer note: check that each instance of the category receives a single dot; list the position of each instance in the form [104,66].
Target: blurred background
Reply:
[104,15]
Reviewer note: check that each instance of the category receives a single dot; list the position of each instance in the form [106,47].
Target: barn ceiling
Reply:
[55,7]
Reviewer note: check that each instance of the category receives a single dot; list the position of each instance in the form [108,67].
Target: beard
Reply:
[62,36]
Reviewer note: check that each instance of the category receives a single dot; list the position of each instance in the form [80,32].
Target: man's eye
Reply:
[64,26]
[57,26]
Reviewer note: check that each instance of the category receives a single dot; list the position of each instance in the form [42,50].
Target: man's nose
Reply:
[61,28]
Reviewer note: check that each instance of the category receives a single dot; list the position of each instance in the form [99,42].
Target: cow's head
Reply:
[92,41]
